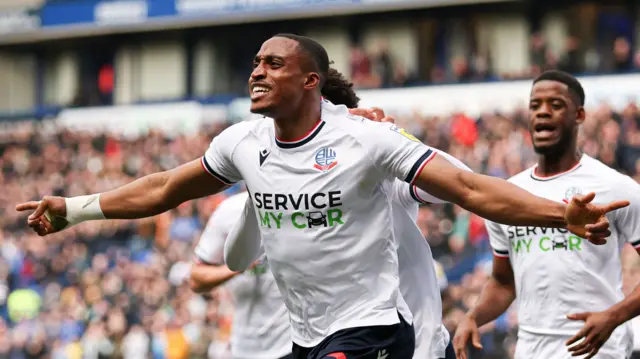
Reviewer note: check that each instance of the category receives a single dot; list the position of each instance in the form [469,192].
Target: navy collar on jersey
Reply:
[302,140]
[552,177]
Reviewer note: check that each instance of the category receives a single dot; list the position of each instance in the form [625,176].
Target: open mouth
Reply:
[259,90]
[544,130]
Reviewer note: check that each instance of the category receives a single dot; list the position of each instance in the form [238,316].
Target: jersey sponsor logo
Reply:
[404,133]
[264,153]
[305,210]
[542,240]
[325,159]
[570,192]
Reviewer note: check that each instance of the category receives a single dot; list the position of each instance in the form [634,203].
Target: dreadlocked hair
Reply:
[339,90]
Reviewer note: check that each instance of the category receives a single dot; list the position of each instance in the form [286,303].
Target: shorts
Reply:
[541,346]
[377,342]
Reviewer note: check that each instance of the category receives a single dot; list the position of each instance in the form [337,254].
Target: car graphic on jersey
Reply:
[559,242]
[317,218]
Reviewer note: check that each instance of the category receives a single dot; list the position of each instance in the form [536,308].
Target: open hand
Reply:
[48,215]
[588,220]
[596,331]
[467,331]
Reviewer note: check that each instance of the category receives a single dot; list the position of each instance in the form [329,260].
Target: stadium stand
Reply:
[117,289]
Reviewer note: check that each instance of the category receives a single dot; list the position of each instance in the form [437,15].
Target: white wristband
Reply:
[83,208]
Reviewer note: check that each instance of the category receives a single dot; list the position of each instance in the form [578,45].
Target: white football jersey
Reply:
[260,322]
[419,281]
[325,216]
[558,273]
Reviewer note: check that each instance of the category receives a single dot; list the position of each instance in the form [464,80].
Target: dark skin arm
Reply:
[495,298]
[598,326]
[503,202]
[144,197]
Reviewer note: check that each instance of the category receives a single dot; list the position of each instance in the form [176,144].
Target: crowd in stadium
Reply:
[118,290]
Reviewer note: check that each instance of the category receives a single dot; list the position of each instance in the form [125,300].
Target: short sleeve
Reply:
[210,247]
[408,193]
[628,218]
[218,160]
[498,239]
[396,152]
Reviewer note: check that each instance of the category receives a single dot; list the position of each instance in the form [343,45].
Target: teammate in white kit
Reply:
[551,272]
[315,174]
[260,323]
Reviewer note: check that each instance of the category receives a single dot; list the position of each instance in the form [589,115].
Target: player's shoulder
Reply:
[522,178]
[250,126]
[599,169]
[339,117]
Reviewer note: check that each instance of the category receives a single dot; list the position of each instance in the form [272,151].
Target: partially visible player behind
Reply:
[260,323]
[306,164]
[559,278]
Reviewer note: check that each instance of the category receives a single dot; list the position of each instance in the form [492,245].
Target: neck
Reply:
[550,165]
[298,123]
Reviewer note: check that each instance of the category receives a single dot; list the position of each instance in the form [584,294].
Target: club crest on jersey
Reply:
[404,133]
[570,192]
[325,159]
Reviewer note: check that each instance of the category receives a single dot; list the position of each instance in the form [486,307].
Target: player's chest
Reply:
[314,175]
[537,244]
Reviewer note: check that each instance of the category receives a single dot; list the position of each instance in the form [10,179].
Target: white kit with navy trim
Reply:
[325,215]
[558,273]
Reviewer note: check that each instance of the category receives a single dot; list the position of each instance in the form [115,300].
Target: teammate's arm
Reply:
[243,244]
[495,298]
[204,277]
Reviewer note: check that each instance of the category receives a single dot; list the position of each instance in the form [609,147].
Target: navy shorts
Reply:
[376,342]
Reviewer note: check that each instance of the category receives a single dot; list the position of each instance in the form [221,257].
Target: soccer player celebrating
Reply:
[316,174]
[419,284]
[554,274]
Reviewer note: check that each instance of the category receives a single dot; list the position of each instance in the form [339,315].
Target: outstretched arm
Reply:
[144,197]
[503,202]
[489,197]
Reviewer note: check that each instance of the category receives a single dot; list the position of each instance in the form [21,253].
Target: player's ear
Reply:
[312,81]
[580,115]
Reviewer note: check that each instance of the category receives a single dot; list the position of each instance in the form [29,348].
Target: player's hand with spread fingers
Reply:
[588,220]
[597,329]
[48,215]
[467,331]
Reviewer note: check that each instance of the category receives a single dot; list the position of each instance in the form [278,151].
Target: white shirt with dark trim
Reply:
[558,273]
[260,322]
[325,216]
[419,282]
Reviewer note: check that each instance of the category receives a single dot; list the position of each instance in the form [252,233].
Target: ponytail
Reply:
[338,90]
